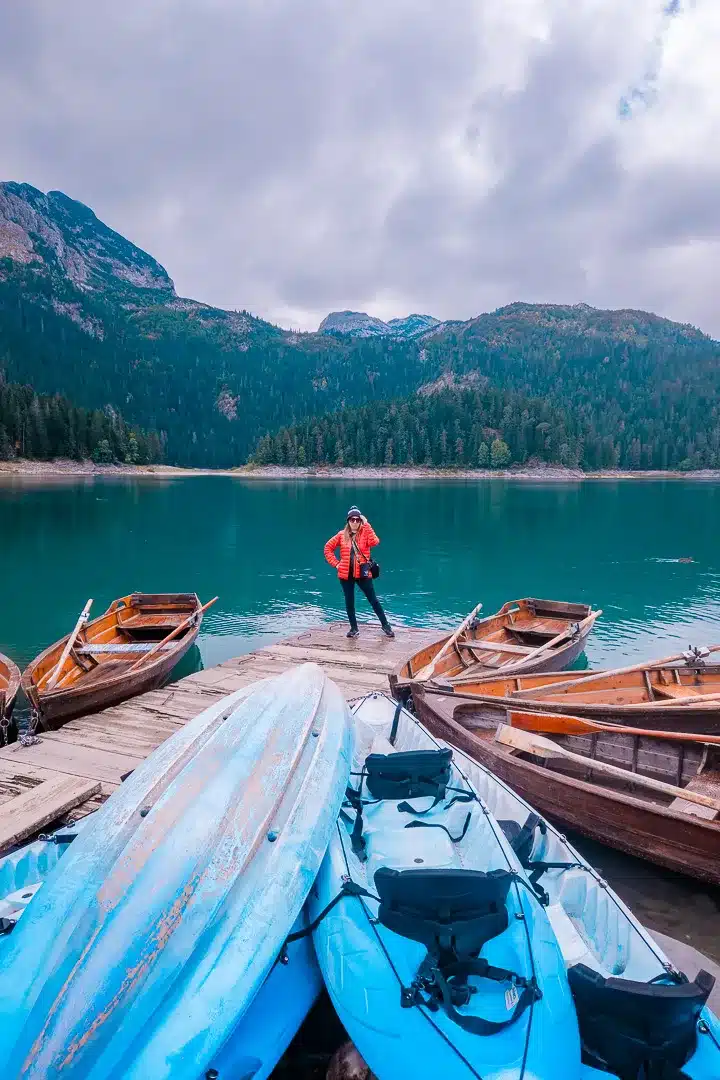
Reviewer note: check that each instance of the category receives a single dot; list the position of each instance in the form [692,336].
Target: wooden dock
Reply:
[70,772]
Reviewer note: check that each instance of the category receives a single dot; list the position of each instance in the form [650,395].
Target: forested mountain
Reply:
[473,427]
[44,426]
[469,423]
[85,313]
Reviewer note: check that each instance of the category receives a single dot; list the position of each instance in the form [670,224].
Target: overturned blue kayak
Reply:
[275,1014]
[151,938]
[404,973]
[438,957]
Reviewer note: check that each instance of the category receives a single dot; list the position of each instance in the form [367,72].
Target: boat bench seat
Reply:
[162,621]
[548,626]
[496,646]
[676,691]
[131,647]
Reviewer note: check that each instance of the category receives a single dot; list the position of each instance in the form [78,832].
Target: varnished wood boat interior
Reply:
[693,766]
[647,686]
[111,644]
[508,639]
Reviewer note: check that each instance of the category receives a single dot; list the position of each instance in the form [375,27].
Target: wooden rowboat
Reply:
[622,813]
[647,697]
[9,686]
[101,668]
[524,635]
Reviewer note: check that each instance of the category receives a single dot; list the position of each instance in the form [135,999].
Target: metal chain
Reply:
[30,737]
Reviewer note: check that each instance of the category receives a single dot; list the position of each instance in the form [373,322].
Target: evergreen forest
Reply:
[45,426]
[486,428]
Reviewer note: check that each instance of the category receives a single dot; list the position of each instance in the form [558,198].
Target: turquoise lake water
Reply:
[445,546]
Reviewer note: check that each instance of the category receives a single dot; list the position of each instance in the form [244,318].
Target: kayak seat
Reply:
[408,774]
[449,911]
[522,837]
[637,1029]
[402,775]
[453,913]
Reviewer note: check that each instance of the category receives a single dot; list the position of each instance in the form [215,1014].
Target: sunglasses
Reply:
[354,519]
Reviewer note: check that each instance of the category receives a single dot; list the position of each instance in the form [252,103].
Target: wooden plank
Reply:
[27,813]
[140,732]
[9,771]
[74,760]
[329,658]
[677,691]
[707,784]
[110,743]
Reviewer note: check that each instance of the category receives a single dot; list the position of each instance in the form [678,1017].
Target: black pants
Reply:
[366,586]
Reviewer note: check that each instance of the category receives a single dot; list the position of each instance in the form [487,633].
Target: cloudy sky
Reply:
[300,156]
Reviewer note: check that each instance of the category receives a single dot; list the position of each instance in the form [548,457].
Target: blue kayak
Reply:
[438,957]
[274,1016]
[638,1018]
[158,930]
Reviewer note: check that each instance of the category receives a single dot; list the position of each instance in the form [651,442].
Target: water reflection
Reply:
[445,546]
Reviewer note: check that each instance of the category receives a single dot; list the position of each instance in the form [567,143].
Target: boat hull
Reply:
[145,948]
[111,684]
[528,619]
[675,840]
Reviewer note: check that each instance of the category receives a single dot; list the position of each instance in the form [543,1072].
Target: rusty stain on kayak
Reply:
[133,977]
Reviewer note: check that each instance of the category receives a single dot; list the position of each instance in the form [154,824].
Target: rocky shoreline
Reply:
[549,473]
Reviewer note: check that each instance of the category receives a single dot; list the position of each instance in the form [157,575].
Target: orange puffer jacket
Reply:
[365,538]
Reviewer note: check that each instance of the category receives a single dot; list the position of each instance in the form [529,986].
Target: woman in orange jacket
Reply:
[355,542]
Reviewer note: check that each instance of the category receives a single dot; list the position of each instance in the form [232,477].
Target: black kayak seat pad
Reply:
[445,910]
[638,1029]
[408,774]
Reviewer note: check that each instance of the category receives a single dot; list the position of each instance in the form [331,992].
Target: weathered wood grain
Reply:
[28,812]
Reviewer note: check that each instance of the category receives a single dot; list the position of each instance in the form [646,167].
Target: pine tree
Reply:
[499,454]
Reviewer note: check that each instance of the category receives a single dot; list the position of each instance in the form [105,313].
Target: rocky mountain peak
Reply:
[60,236]
[360,324]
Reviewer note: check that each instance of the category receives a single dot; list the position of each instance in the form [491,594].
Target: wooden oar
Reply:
[652,665]
[173,634]
[536,744]
[559,724]
[55,674]
[426,672]
[694,699]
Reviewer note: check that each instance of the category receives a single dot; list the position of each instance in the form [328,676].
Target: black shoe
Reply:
[354,634]
[388,631]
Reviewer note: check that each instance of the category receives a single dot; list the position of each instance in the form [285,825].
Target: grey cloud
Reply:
[306,157]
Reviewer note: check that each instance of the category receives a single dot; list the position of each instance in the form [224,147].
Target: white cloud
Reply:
[405,156]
